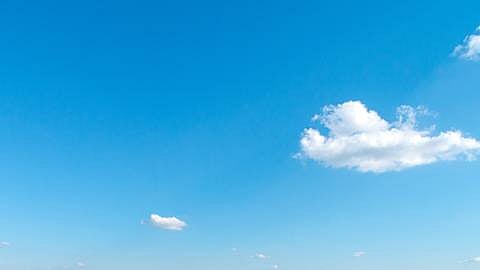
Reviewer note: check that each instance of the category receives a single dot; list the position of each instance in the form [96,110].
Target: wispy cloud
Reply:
[261,256]
[470,48]
[167,223]
[359,253]
[4,244]
[472,260]
[360,139]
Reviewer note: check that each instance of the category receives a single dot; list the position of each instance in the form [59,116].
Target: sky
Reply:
[247,135]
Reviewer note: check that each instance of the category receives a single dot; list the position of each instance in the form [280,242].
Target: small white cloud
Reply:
[275,266]
[360,139]
[4,244]
[167,223]
[261,256]
[472,260]
[234,250]
[359,253]
[81,264]
[470,48]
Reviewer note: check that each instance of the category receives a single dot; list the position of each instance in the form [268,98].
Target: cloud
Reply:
[472,260]
[261,256]
[167,223]
[362,140]
[4,244]
[470,48]
[81,264]
[359,253]
[275,266]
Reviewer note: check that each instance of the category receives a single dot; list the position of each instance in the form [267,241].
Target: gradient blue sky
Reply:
[113,110]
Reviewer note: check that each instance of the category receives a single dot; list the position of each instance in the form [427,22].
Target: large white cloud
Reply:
[470,48]
[360,139]
[167,223]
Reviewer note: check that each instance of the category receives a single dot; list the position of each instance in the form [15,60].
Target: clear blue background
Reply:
[112,110]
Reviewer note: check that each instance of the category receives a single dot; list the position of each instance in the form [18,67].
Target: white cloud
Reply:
[260,256]
[81,264]
[4,244]
[472,260]
[360,139]
[167,223]
[470,48]
[275,266]
[359,253]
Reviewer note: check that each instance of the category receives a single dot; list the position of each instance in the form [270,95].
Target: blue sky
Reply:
[168,135]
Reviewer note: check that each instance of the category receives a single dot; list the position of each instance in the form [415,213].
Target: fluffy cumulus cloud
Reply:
[470,48]
[360,139]
[167,223]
